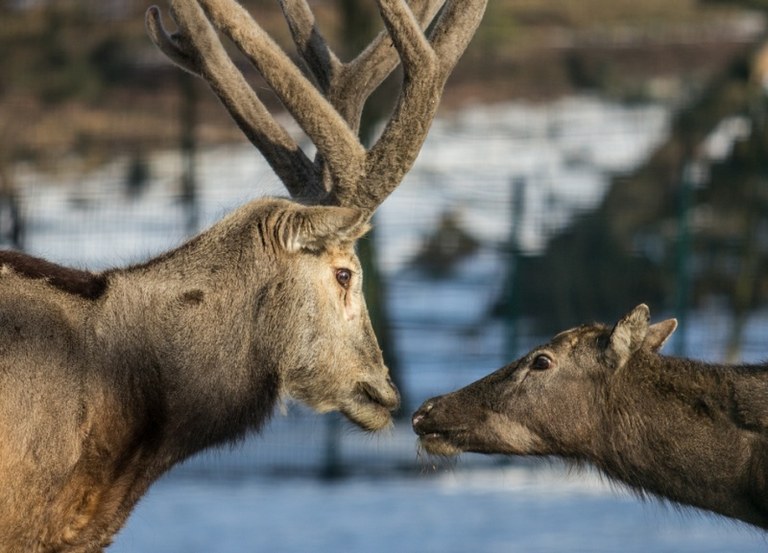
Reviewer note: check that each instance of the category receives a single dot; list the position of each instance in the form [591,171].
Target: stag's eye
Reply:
[343,277]
[541,362]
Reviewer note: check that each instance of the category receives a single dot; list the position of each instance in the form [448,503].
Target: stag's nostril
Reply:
[388,398]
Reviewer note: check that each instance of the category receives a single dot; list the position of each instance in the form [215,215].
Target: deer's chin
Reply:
[370,406]
[439,444]
[365,405]
[368,415]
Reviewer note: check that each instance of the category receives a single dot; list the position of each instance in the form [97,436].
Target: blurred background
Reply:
[589,155]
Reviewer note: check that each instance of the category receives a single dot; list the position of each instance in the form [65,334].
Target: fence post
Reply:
[188,146]
[511,309]
[692,175]
[332,468]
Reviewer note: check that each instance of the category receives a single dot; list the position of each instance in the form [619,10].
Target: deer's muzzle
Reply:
[372,404]
[436,437]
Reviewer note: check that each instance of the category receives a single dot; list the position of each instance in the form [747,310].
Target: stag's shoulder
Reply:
[85,284]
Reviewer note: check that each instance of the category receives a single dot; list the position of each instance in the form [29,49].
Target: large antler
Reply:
[328,110]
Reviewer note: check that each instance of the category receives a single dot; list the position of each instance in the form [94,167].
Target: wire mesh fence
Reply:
[491,189]
[633,172]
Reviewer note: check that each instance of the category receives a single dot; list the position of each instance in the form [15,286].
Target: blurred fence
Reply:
[493,185]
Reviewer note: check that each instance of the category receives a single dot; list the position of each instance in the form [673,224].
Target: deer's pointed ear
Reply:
[315,228]
[659,333]
[628,335]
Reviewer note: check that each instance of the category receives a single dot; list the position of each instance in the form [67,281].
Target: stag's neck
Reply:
[681,429]
[178,334]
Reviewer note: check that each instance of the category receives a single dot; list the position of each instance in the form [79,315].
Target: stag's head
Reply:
[341,365]
[311,315]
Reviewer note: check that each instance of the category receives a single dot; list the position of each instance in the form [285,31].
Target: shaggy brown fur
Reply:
[101,393]
[107,380]
[683,430]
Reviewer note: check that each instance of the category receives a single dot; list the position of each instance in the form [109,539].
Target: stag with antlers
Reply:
[109,379]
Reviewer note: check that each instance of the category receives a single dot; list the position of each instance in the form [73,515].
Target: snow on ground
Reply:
[504,510]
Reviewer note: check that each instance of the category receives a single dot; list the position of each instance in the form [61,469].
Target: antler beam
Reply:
[328,110]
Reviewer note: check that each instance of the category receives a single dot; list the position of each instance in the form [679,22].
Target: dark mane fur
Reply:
[85,284]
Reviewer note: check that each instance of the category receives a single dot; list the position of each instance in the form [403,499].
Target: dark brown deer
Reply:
[109,379]
[686,431]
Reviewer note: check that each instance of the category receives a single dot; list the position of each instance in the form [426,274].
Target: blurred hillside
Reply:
[684,231]
[80,77]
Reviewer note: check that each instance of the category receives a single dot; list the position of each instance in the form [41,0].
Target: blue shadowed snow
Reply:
[540,510]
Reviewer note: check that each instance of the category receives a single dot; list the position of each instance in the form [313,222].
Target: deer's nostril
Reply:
[421,414]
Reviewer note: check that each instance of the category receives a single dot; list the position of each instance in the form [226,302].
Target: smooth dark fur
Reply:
[690,432]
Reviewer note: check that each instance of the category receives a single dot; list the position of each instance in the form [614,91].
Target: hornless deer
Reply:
[109,379]
[683,430]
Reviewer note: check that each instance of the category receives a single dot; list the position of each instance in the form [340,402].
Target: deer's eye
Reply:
[343,277]
[541,362]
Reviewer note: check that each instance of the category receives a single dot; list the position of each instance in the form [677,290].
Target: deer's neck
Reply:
[670,428]
[179,337]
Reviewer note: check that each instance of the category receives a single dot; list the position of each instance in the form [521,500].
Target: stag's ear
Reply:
[659,333]
[628,335]
[316,228]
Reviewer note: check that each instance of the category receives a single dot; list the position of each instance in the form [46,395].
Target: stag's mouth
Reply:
[371,407]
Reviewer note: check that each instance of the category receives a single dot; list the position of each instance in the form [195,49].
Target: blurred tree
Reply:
[59,60]
[761,5]
[626,251]
[443,250]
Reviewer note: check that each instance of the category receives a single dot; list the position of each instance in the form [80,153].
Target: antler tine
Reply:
[168,44]
[427,63]
[454,30]
[312,47]
[196,49]
[340,147]
[348,85]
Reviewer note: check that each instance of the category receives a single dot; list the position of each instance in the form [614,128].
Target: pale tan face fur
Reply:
[143,366]
[348,372]
[332,360]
